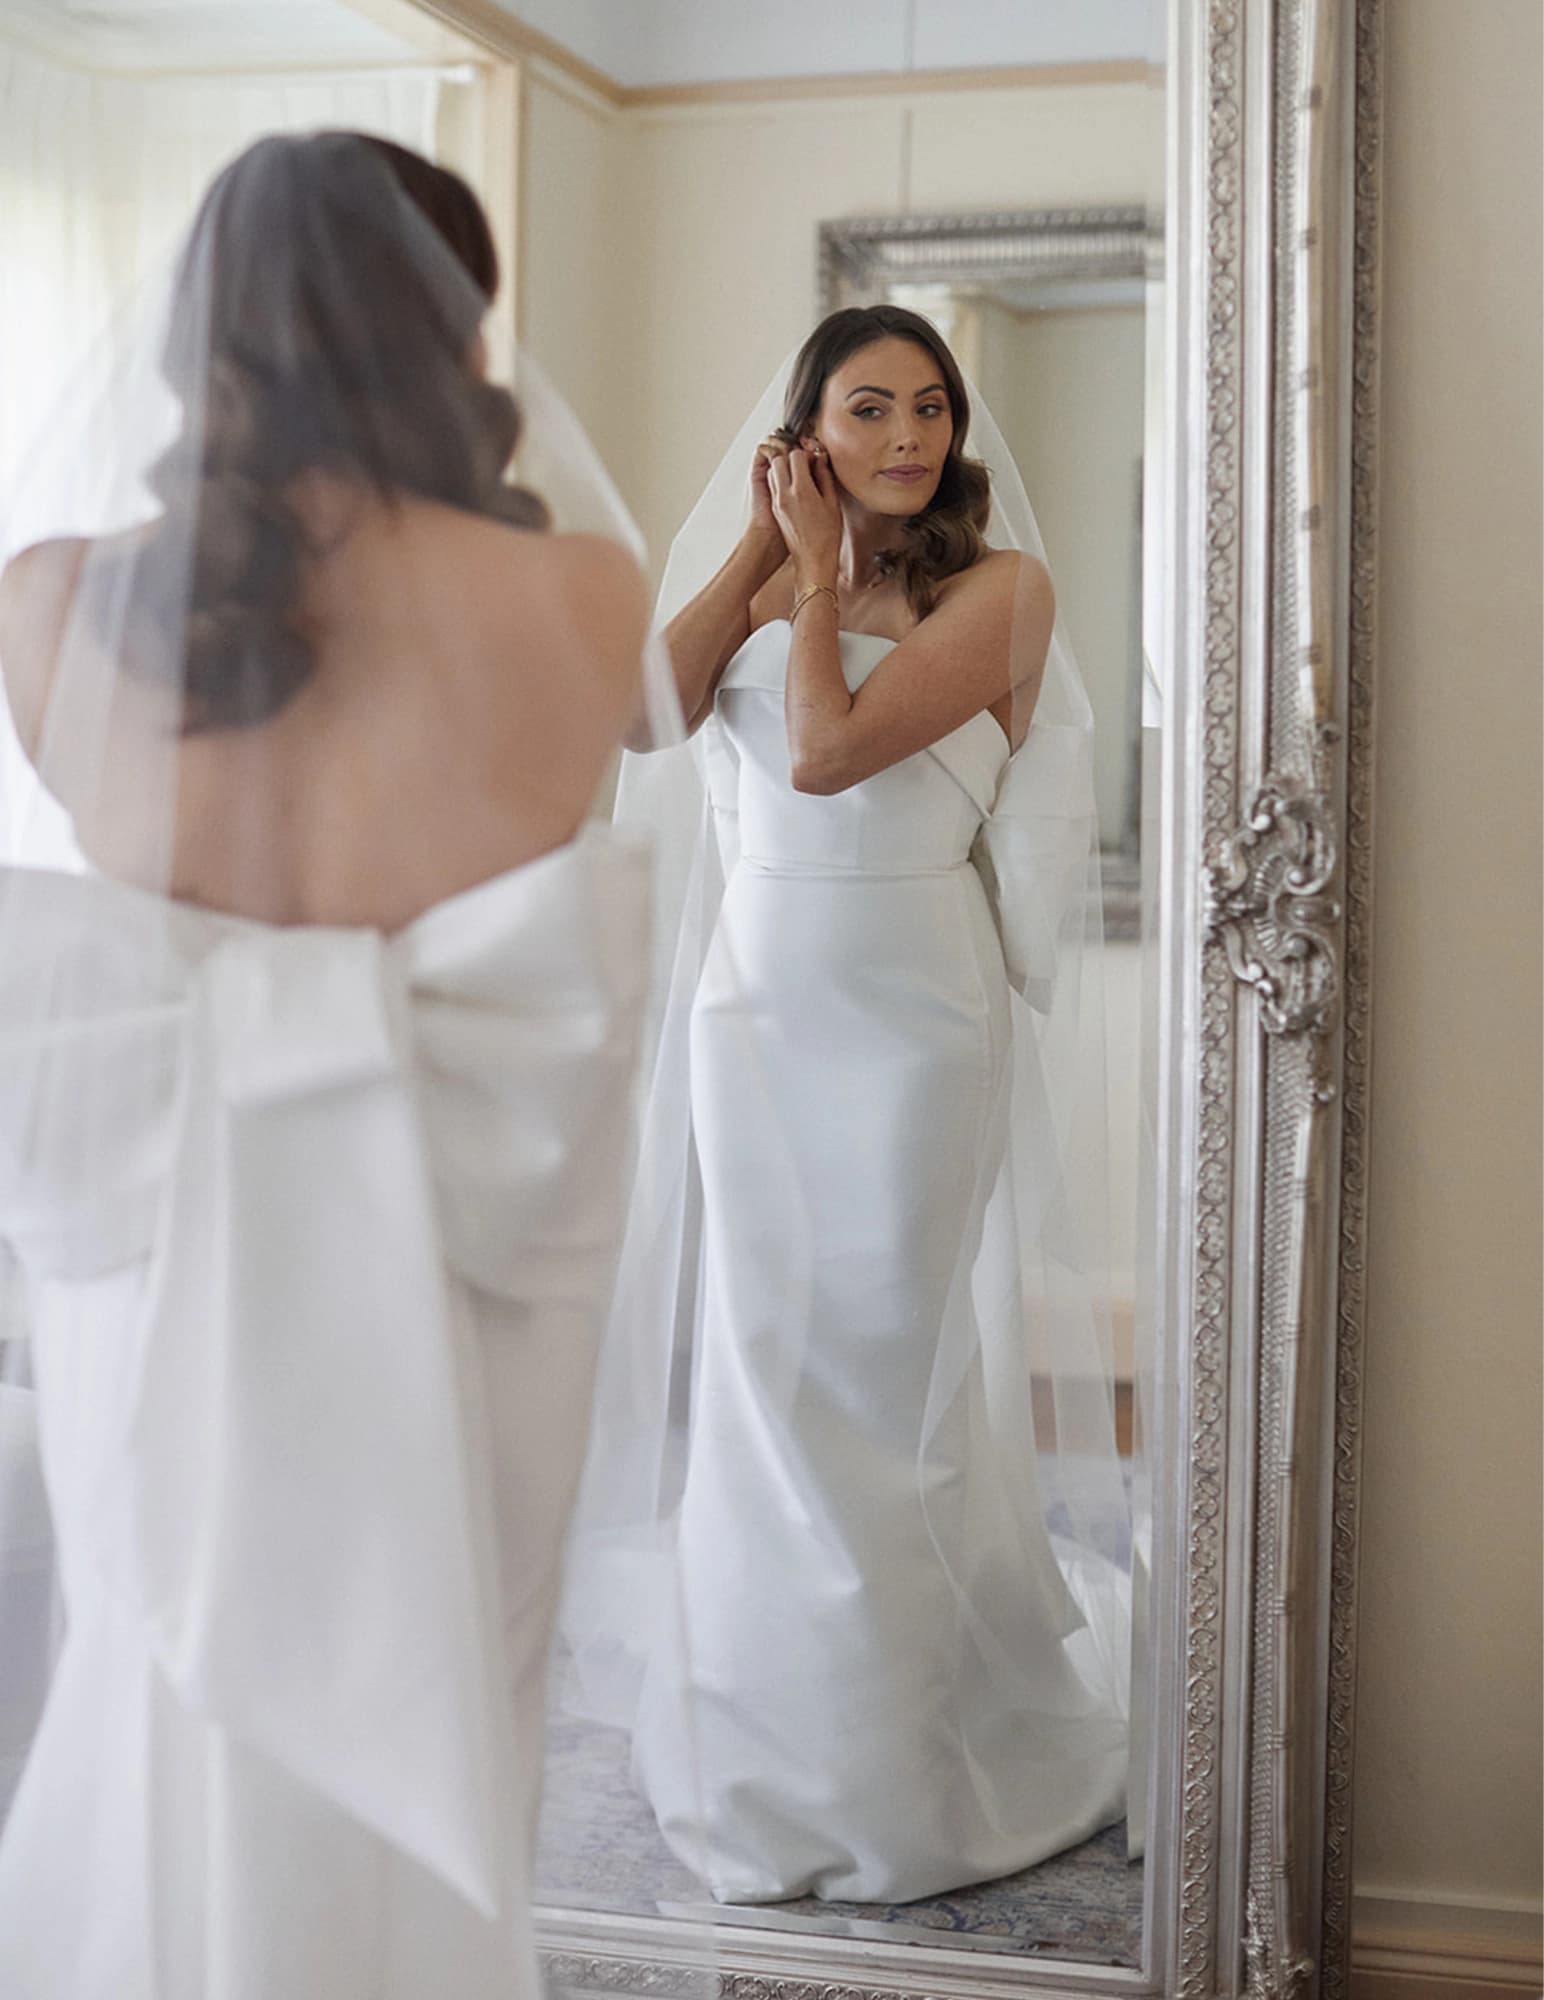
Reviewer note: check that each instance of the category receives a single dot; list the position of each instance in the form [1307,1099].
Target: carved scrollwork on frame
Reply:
[1276,892]
[1335,1922]
[1267,1981]
[747,1987]
[1222,156]
[584,1976]
[569,1975]
[1272,907]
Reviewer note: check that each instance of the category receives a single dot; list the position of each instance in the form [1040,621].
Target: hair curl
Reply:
[359,363]
[949,534]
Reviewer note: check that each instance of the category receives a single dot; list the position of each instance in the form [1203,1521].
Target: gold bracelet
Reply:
[814,590]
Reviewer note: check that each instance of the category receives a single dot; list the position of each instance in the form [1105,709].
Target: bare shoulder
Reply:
[1003,577]
[586,585]
[1004,603]
[596,597]
[594,569]
[36,588]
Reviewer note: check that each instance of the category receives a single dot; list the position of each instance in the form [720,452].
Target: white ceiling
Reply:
[643,43]
[205,34]
[636,43]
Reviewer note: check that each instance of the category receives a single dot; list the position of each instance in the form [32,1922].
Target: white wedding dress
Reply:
[314,1362]
[829,1714]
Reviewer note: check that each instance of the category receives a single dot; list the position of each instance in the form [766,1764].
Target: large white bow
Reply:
[301,1511]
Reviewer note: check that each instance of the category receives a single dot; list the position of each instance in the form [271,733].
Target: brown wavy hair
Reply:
[357,360]
[949,534]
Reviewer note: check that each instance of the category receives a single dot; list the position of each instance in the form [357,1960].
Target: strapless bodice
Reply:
[918,815]
[1025,819]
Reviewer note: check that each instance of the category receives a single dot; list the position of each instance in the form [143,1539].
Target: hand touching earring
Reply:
[769,452]
[806,506]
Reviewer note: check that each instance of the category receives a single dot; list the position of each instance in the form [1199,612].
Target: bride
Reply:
[895,1679]
[319,1005]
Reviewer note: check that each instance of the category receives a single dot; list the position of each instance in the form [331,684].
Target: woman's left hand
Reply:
[807,509]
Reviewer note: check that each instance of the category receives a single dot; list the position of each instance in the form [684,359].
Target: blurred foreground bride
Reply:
[319,1004]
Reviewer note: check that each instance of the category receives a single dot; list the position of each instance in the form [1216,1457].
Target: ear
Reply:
[812,444]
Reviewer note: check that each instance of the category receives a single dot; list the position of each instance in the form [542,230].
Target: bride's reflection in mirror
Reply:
[871,1383]
[901,1664]
[885,1685]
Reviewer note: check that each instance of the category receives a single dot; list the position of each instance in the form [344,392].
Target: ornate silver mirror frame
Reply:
[1272,245]
[1268,878]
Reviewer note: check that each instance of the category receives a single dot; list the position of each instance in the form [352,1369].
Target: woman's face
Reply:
[886,425]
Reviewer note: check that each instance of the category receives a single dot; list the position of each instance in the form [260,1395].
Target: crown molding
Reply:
[887,83]
[506,39]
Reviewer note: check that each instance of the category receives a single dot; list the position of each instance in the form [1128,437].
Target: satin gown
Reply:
[869,1693]
[315,1319]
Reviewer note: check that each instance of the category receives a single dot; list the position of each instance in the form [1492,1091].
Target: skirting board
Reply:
[1453,1985]
[1406,1947]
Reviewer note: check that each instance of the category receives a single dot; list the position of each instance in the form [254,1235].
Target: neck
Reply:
[865,535]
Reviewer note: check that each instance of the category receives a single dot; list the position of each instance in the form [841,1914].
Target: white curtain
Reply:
[98,177]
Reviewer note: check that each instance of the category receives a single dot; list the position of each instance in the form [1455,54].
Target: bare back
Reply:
[470,682]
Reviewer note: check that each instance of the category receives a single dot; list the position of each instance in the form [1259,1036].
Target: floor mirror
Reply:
[1150,234]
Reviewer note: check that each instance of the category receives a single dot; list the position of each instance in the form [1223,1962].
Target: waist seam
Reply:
[834,871]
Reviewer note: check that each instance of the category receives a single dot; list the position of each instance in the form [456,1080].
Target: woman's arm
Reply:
[705,634]
[987,638]
[36,591]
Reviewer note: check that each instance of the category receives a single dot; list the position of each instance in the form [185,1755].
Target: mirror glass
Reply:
[680,236]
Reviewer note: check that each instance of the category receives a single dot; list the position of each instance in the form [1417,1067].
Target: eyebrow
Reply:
[872,389]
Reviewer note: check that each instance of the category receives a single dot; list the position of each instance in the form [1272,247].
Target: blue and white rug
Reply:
[599,1849]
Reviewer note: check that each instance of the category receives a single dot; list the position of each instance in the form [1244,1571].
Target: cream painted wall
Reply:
[1068,394]
[707,230]
[1448,1801]
[739,201]
[573,167]
[723,208]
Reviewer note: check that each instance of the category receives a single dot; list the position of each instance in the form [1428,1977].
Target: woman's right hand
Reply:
[763,520]
[707,631]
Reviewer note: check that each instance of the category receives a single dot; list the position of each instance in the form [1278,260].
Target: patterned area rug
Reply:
[600,1850]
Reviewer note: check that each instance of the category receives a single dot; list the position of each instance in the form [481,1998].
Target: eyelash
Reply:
[926,410]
